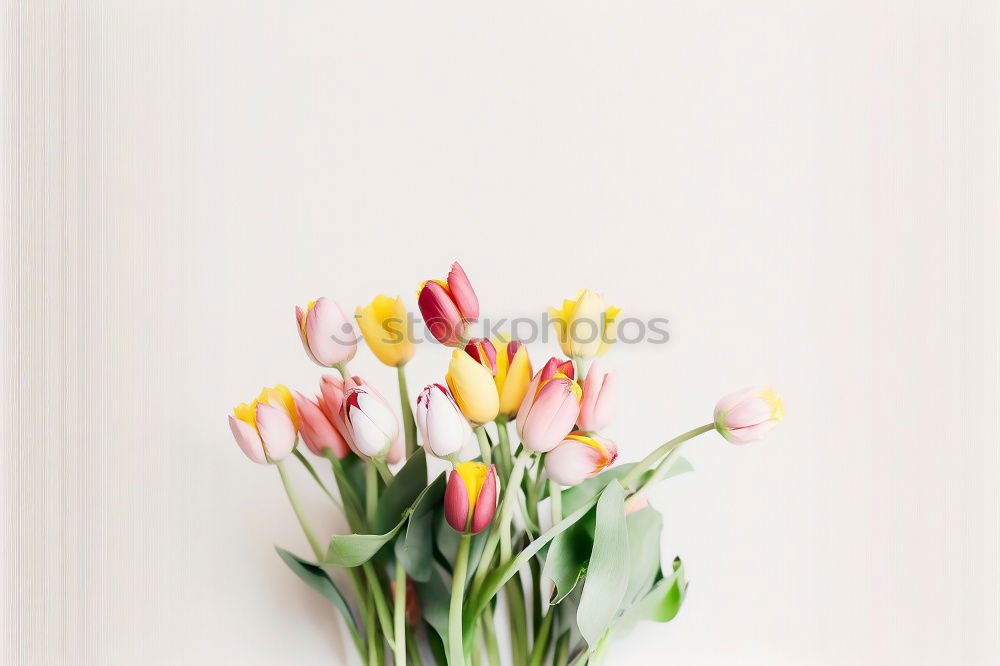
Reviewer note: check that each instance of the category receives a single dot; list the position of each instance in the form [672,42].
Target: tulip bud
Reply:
[748,415]
[585,327]
[327,335]
[470,499]
[443,428]
[483,351]
[579,457]
[448,307]
[599,399]
[385,325]
[550,407]
[266,429]
[318,431]
[370,422]
[513,374]
[473,387]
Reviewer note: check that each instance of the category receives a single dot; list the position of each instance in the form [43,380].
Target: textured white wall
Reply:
[807,190]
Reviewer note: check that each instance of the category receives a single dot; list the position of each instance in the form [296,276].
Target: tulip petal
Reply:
[571,462]
[441,316]
[248,440]
[462,292]
[317,431]
[486,503]
[330,336]
[456,502]
[277,431]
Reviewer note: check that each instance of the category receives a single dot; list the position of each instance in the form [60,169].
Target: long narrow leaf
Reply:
[607,575]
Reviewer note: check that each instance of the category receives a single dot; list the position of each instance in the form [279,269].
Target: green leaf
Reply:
[575,497]
[351,550]
[661,604]
[415,548]
[435,601]
[447,544]
[495,580]
[319,580]
[568,556]
[644,529]
[604,590]
[402,492]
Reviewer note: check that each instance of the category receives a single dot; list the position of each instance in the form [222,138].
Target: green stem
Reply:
[399,614]
[371,494]
[484,445]
[636,472]
[312,472]
[353,509]
[504,459]
[555,499]
[518,621]
[370,631]
[381,605]
[409,425]
[342,369]
[383,470]
[413,648]
[561,655]
[502,523]
[303,521]
[456,655]
[490,638]
[542,640]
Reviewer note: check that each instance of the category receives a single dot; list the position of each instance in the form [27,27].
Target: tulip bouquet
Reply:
[541,528]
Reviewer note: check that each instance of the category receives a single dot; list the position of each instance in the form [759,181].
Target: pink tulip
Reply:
[472,489]
[550,408]
[748,415]
[448,306]
[318,432]
[484,352]
[267,428]
[579,457]
[370,422]
[443,428]
[327,334]
[600,393]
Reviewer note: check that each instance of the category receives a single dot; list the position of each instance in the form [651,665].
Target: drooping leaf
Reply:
[644,529]
[319,580]
[415,547]
[568,556]
[605,585]
[402,491]
[661,604]
[576,496]
[351,550]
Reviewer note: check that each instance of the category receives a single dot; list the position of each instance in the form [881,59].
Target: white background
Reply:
[806,190]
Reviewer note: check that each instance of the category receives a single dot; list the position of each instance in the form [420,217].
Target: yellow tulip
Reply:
[473,387]
[384,323]
[586,328]
[513,374]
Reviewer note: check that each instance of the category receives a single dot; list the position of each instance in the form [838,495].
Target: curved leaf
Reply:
[402,492]
[661,604]
[319,580]
[644,529]
[415,548]
[568,556]
[575,497]
[603,590]
[351,550]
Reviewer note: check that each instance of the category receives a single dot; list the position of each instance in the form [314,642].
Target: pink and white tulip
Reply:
[318,431]
[550,407]
[579,457]
[470,498]
[371,424]
[328,336]
[443,428]
[448,306]
[267,428]
[600,399]
[749,414]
